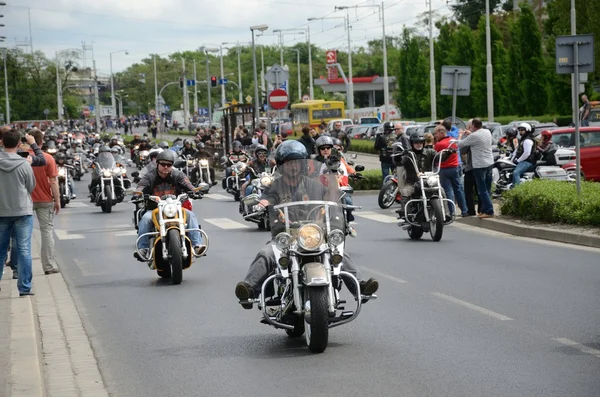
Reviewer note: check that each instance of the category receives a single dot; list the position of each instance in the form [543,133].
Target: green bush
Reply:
[554,201]
[371,180]
[363,146]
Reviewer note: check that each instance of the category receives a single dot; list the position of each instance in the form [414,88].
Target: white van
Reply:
[344,122]
[177,115]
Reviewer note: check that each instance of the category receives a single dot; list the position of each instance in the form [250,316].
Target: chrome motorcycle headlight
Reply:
[266,181]
[117,171]
[336,237]
[62,172]
[283,241]
[204,163]
[433,181]
[310,237]
[254,182]
[79,140]
[106,173]
[190,162]
[136,147]
[239,167]
[170,210]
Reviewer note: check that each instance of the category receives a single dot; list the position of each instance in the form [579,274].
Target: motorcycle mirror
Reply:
[350,162]
[359,168]
[135,174]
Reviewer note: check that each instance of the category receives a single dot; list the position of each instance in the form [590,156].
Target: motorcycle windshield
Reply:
[305,192]
[106,160]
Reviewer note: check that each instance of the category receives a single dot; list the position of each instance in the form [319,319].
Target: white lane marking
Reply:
[64,235]
[374,216]
[217,196]
[126,233]
[578,346]
[86,268]
[226,223]
[76,204]
[392,278]
[471,306]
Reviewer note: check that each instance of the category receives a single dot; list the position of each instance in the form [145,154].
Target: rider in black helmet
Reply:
[383,144]
[291,184]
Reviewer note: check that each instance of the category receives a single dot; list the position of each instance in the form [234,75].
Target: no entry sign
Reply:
[278,99]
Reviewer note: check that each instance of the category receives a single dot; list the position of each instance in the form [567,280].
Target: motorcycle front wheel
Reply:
[63,194]
[316,319]
[175,255]
[415,233]
[436,220]
[107,205]
[387,195]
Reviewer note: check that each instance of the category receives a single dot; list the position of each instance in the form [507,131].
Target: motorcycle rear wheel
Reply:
[436,220]
[298,330]
[316,323]
[387,195]
[108,203]
[175,255]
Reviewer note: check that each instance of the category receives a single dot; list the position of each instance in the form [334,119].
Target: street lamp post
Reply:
[208,88]
[6,88]
[260,28]
[112,84]
[432,96]
[223,98]
[195,90]
[299,79]
[489,70]
[155,86]
[311,90]
[239,84]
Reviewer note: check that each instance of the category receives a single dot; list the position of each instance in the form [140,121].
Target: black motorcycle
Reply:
[107,189]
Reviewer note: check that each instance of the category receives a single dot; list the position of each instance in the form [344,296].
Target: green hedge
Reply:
[554,201]
[371,180]
[363,146]
[562,121]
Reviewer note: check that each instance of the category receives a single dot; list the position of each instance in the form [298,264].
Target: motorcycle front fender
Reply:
[315,275]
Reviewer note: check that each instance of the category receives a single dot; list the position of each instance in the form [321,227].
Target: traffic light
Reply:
[181,82]
[213,81]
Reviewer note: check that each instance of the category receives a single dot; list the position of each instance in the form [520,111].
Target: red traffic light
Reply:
[213,81]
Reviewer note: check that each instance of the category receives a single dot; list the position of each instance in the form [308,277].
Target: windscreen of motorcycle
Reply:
[106,160]
[310,191]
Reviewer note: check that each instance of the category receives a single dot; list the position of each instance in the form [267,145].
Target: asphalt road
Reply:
[477,314]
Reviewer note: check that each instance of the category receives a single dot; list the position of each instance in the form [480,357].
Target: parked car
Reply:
[590,148]
[343,121]
[594,117]
[369,121]
[359,132]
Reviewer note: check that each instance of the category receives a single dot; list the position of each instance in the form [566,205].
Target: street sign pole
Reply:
[574,94]
[454,93]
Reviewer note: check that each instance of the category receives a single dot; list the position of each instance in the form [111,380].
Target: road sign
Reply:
[223,81]
[46,112]
[278,99]
[463,81]
[565,54]
[152,112]
[91,108]
[86,112]
[191,83]
[249,99]
[276,75]
[305,98]
[202,111]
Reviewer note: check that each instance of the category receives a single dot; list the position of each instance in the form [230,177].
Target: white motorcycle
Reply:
[249,209]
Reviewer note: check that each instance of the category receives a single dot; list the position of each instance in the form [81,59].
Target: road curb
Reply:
[365,192]
[543,233]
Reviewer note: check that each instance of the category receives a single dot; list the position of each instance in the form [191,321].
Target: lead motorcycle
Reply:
[107,187]
[64,173]
[308,240]
[171,249]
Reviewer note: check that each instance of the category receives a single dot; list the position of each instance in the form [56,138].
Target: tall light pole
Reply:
[112,84]
[206,50]
[223,98]
[96,98]
[238,50]
[299,79]
[6,87]
[186,115]
[59,104]
[155,87]
[488,67]
[260,28]
[432,96]
[310,69]
[195,90]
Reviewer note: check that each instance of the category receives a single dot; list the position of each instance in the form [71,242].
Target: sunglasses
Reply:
[325,148]
[166,165]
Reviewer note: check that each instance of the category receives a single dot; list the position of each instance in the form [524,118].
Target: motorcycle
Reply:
[389,192]
[109,182]
[171,251]
[308,240]
[78,166]
[63,184]
[558,167]
[234,182]
[425,211]
[143,157]
[249,209]
[204,180]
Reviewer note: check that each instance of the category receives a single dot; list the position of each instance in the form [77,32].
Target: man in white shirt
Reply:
[525,156]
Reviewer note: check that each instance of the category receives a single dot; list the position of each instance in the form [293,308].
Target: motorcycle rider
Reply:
[164,145]
[259,164]
[188,149]
[292,180]
[547,148]
[162,181]
[424,159]
[525,155]
[510,142]
[61,160]
[236,155]
[383,144]
[201,154]
[151,166]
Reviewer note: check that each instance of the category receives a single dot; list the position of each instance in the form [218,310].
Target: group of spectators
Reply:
[28,178]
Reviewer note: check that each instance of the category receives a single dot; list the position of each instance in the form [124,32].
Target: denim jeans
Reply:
[23,228]
[387,169]
[146,226]
[450,179]
[520,169]
[483,180]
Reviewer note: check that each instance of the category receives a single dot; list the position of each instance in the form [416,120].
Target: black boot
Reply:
[244,291]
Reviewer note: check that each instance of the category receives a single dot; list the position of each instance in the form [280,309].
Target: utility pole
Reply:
[186,116]
[6,87]
[196,89]
[310,69]
[59,102]
[240,99]
[96,98]
[155,89]
[432,67]
[488,66]
[350,82]
[223,97]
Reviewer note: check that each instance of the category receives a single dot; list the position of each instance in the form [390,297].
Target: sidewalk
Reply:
[44,349]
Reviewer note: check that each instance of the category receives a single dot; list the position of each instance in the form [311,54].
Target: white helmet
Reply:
[526,126]
[153,153]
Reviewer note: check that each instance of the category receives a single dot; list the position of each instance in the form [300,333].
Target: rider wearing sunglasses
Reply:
[163,181]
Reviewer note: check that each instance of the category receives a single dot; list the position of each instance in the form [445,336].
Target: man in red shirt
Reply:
[46,203]
[450,172]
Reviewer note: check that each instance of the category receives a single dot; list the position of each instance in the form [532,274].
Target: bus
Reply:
[312,113]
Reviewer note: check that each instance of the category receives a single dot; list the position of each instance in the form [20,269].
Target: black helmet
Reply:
[337,142]
[417,137]
[324,141]
[164,145]
[166,155]
[200,145]
[60,156]
[187,141]
[290,150]
[237,145]
[261,148]
[511,133]
[388,126]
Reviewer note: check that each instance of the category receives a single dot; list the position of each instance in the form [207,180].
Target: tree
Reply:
[469,11]
[533,86]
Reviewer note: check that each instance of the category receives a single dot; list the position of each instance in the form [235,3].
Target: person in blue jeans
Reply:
[16,208]
[165,180]
[383,144]
[450,171]
[525,155]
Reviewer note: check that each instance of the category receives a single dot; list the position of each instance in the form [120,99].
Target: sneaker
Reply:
[73,196]
[485,216]
[142,254]
[352,231]
[27,293]
[15,276]
[369,287]
[199,250]
[244,291]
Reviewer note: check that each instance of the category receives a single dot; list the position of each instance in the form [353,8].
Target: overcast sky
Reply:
[165,26]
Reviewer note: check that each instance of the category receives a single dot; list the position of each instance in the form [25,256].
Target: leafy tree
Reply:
[469,11]
[533,86]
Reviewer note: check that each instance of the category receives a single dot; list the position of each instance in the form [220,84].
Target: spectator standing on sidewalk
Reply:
[383,144]
[450,172]
[479,141]
[16,208]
